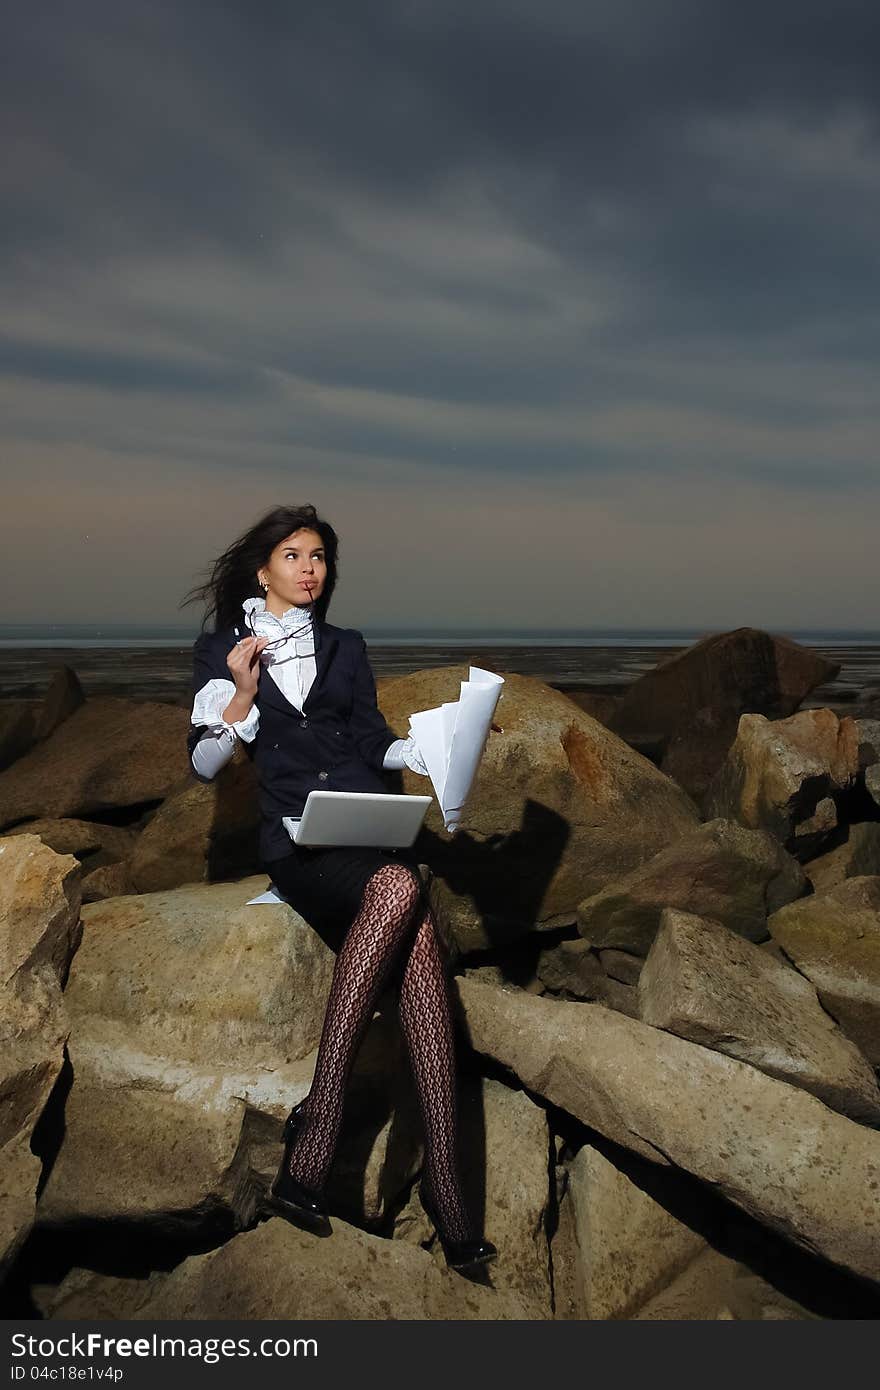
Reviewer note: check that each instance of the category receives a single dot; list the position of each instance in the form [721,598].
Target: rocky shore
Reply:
[663,909]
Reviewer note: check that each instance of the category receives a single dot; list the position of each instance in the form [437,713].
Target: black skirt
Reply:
[326,886]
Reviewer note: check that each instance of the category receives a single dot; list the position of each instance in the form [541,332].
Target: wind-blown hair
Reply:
[233,576]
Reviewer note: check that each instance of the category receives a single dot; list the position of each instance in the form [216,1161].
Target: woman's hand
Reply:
[244,665]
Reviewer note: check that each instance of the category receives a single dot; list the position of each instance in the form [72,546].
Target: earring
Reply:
[264,584]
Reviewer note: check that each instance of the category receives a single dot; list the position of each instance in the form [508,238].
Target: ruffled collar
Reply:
[292,620]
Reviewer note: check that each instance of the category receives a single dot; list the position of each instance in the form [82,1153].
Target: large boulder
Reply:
[573,968]
[869,741]
[502,1145]
[596,703]
[109,753]
[513,1176]
[18,729]
[715,1287]
[278,1271]
[39,932]
[559,808]
[93,844]
[858,856]
[195,1018]
[693,754]
[107,881]
[768,1147]
[703,982]
[720,870]
[834,939]
[189,1009]
[40,905]
[380,1147]
[64,696]
[202,831]
[623,1244]
[725,674]
[621,965]
[869,754]
[778,774]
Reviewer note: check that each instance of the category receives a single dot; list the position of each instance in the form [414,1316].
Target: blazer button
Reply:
[303,723]
[322,776]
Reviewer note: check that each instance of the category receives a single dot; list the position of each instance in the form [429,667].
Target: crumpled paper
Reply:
[451,739]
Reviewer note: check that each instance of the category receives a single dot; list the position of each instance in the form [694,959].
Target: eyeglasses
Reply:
[303,631]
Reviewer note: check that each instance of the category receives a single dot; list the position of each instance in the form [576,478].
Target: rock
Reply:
[713,1287]
[593,702]
[39,931]
[872,782]
[620,965]
[18,724]
[573,968]
[869,742]
[203,831]
[504,1146]
[110,753]
[565,1254]
[498,975]
[490,975]
[39,908]
[503,1149]
[725,673]
[768,1147]
[64,696]
[107,881]
[279,1271]
[694,752]
[560,807]
[627,1245]
[705,983]
[195,1019]
[720,870]
[92,843]
[189,1009]
[859,855]
[228,983]
[834,939]
[815,830]
[380,1144]
[776,773]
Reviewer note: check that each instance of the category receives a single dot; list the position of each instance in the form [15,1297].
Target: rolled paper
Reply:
[452,737]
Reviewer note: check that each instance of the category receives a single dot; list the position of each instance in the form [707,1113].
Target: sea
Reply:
[155,663]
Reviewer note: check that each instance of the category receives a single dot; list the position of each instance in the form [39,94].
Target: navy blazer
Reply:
[337,743]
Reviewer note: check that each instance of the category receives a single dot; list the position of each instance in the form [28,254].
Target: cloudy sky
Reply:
[561,311]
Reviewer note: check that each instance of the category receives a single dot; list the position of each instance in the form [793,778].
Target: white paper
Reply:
[451,739]
[270,896]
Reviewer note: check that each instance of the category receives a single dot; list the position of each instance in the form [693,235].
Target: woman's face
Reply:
[296,572]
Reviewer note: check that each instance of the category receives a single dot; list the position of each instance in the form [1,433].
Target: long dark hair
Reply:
[233,576]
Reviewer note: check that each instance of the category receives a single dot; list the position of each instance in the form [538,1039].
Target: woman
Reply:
[301,696]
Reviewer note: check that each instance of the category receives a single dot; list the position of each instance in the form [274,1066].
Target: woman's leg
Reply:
[426,1022]
[384,921]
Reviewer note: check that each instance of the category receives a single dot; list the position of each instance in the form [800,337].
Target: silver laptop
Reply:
[376,819]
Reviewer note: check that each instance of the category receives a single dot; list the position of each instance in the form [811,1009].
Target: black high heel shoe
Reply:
[304,1206]
[460,1254]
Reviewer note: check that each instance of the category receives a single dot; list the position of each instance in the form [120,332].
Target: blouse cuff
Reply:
[404,752]
[212,700]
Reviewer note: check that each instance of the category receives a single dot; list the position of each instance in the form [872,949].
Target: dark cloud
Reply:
[627,237]
[126,372]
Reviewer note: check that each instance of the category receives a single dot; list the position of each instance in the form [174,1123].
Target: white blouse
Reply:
[292,666]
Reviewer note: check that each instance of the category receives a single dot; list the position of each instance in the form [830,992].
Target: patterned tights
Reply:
[387,924]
